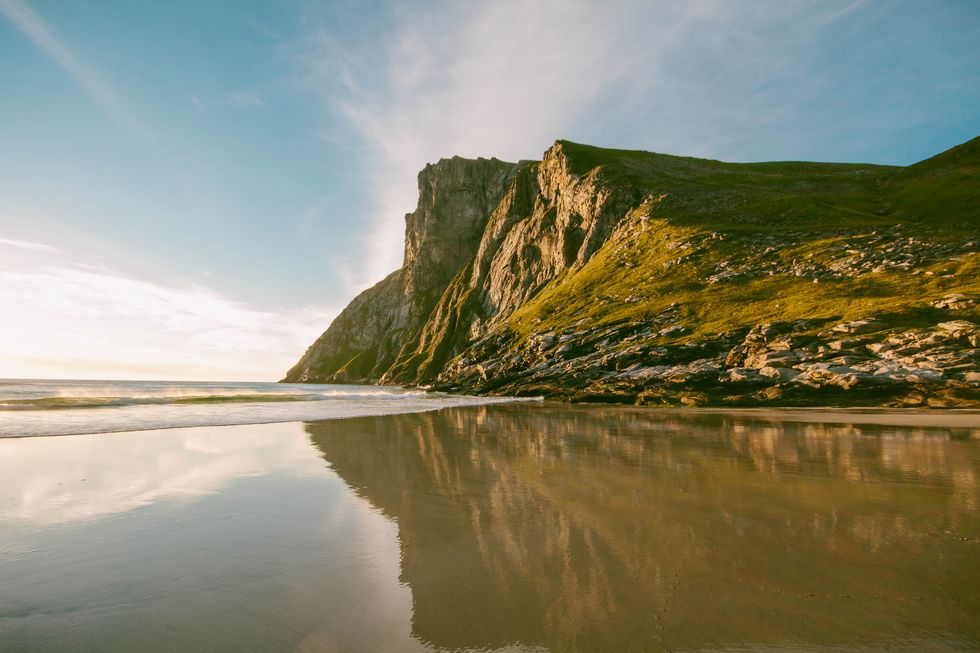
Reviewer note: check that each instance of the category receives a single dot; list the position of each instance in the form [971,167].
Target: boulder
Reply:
[674,330]
[845,343]
[772,359]
[779,373]
[954,302]
[740,375]
[859,326]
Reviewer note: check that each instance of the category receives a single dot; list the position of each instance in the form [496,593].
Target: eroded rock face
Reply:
[362,340]
[485,237]
[938,367]
[565,222]
[548,220]
[456,197]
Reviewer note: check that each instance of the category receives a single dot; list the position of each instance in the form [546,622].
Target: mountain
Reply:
[629,276]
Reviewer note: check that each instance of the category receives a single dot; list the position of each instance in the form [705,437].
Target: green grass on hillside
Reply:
[710,213]
[634,267]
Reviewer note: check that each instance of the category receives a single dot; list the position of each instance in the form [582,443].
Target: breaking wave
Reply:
[33,408]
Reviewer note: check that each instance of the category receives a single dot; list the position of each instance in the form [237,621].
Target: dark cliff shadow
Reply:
[581,528]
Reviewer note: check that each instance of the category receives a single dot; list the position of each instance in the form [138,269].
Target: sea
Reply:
[59,407]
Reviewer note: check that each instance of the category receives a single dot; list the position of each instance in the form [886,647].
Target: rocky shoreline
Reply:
[800,363]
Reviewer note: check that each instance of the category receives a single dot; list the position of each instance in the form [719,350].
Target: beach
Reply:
[498,527]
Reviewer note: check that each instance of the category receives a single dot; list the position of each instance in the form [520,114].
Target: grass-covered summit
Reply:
[615,275]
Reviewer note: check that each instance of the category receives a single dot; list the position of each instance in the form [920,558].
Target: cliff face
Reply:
[632,276]
[549,220]
[455,198]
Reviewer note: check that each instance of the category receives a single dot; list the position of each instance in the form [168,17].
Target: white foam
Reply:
[335,402]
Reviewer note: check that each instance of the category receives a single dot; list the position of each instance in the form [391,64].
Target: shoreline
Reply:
[954,418]
[285,420]
[290,528]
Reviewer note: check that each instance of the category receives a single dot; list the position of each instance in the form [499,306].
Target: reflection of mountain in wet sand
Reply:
[612,529]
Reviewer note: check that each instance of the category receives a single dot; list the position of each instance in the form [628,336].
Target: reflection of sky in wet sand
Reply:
[237,537]
[55,480]
[495,528]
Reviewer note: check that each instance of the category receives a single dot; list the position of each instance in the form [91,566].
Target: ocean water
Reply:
[58,407]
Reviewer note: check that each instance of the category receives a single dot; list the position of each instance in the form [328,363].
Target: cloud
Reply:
[22,244]
[498,79]
[69,316]
[508,78]
[91,80]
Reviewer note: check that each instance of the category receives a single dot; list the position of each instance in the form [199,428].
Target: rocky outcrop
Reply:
[550,220]
[456,197]
[799,363]
[361,341]
[608,275]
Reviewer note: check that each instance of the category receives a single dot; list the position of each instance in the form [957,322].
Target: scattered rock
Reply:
[675,330]
[740,375]
[954,302]
[859,326]
[772,359]
[779,373]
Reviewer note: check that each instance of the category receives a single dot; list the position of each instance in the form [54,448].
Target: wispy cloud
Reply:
[498,79]
[91,80]
[23,244]
[69,317]
[507,78]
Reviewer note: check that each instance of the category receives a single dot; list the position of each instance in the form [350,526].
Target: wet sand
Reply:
[512,527]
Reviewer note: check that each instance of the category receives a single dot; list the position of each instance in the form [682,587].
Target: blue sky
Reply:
[196,188]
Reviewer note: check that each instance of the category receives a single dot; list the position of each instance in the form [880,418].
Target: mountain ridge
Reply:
[622,275]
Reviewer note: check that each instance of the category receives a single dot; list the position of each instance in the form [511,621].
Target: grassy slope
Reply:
[810,214]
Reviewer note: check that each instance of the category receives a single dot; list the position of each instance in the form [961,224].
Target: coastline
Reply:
[960,419]
[39,407]
[209,421]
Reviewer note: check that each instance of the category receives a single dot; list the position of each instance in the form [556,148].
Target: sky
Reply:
[193,190]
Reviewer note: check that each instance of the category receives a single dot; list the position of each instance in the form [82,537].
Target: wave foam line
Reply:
[301,413]
[73,402]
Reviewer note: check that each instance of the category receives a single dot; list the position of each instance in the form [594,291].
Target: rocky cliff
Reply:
[456,196]
[613,275]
